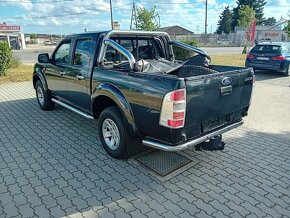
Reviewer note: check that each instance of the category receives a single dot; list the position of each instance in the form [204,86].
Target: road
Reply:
[53,165]
[29,56]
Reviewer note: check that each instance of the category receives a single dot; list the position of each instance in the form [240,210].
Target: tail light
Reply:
[279,58]
[173,109]
[250,56]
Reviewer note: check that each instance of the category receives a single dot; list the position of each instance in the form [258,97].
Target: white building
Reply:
[12,35]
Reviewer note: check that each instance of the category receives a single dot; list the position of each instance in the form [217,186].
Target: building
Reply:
[177,32]
[12,35]
[262,33]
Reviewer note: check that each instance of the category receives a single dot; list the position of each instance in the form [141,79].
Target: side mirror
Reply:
[43,58]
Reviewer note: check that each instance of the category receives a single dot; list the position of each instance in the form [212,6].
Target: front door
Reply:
[78,74]
[56,71]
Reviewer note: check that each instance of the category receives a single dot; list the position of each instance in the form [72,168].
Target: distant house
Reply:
[177,32]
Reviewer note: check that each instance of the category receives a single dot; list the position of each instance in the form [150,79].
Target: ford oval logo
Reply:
[226,81]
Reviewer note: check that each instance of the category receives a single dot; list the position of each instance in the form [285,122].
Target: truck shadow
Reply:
[60,156]
[267,75]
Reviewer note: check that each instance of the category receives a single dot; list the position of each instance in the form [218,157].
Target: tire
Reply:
[287,73]
[111,123]
[43,97]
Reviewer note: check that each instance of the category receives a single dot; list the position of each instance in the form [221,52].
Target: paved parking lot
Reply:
[52,165]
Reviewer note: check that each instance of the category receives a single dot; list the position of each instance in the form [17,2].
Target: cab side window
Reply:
[61,56]
[84,52]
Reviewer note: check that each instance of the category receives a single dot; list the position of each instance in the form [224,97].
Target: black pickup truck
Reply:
[133,83]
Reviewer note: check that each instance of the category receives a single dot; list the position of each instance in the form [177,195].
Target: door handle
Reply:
[80,77]
[61,72]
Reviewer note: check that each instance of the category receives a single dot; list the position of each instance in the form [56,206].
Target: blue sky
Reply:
[72,16]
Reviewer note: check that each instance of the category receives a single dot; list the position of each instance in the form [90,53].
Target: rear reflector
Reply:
[250,56]
[178,115]
[175,123]
[279,58]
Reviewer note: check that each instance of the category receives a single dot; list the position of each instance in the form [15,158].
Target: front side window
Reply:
[61,56]
[84,52]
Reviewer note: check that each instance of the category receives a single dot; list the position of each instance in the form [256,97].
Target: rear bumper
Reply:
[259,66]
[193,142]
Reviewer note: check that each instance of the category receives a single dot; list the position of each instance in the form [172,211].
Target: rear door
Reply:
[214,99]
[78,74]
[56,71]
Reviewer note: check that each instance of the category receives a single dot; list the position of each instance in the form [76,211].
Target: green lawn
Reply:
[229,59]
[18,74]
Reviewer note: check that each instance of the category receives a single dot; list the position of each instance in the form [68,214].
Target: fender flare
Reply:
[115,94]
[41,75]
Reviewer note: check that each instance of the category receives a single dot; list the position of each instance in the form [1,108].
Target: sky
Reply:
[73,16]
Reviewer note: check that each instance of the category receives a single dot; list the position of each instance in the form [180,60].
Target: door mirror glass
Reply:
[43,58]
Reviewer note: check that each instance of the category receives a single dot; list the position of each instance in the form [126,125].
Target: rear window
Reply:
[267,49]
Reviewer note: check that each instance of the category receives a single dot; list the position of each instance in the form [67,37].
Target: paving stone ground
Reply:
[52,165]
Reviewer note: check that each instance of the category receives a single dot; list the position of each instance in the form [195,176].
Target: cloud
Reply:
[79,14]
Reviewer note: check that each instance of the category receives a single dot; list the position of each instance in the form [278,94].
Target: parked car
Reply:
[274,56]
[130,81]
[14,44]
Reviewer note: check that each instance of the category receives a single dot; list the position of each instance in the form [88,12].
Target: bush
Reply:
[182,54]
[5,57]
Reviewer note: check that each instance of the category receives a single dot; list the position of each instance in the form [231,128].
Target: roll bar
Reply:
[106,41]
[122,50]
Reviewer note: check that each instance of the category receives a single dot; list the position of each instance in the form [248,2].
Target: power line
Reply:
[171,3]
[49,16]
[34,2]
[59,15]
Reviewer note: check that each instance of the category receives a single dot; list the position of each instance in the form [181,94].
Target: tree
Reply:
[287,26]
[224,24]
[33,36]
[146,19]
[246,16]
[270,21]
[257,5]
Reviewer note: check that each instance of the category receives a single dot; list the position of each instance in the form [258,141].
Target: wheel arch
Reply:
[108,95]
[38,74]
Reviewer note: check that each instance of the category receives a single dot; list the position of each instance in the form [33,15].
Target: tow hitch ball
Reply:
[214,144]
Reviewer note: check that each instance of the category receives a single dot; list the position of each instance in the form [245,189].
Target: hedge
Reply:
[5,58]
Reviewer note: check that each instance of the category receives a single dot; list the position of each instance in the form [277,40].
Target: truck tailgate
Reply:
[217,99]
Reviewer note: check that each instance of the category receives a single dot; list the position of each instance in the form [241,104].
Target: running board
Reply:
[72,109]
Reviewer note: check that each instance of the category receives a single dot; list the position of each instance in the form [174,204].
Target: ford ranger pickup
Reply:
[139,90]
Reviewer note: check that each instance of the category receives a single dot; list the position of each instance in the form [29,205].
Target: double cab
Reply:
[134,83]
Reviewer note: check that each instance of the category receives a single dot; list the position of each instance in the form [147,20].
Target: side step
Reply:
[72,109]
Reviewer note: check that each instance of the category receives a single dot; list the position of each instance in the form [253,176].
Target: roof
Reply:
[272,43]
[171,27]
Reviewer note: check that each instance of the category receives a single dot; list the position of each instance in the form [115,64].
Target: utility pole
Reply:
[111,10]
[133,17]
[158,20]
[205,24]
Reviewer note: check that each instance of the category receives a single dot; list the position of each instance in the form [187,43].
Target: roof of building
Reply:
[170,27]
